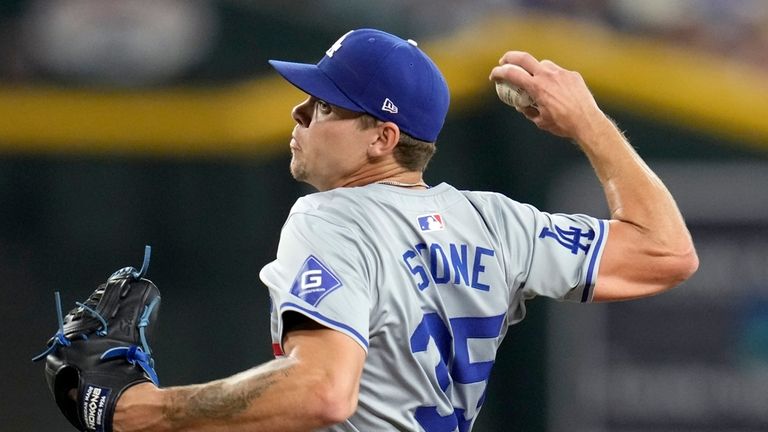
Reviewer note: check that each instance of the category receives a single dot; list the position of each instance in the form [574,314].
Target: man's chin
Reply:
[297,172]
[302,177]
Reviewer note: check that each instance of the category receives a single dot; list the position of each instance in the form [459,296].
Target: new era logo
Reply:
[314,281]
[389,106]
[431,222]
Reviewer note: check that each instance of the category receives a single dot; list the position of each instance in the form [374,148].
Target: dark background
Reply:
[69,218]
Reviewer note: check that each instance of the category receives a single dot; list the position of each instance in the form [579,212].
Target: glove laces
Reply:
[58,339]
[135,355]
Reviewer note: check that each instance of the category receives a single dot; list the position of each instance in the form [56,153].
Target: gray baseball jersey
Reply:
[427,282]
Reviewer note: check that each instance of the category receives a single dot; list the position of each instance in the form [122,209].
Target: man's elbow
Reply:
[683,267]
[331,405]
[692,263]
[671,270]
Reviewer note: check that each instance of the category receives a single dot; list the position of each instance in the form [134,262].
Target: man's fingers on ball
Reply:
[502,73]
[513,74]
[514,69]
[509,56]
[522,58]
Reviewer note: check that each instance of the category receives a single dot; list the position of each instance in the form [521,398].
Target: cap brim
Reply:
[313,81]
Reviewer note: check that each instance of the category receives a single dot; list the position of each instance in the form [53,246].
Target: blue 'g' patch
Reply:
[314,281]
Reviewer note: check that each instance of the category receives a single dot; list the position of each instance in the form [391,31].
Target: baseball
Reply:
[512,95]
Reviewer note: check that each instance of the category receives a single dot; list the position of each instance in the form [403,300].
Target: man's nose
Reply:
[302,113]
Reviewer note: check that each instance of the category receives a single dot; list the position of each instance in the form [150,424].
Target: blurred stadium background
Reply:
[133,122]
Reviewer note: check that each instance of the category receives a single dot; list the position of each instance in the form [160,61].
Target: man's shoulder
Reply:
[487,197]
[345,203]
[338,207]
[319,202]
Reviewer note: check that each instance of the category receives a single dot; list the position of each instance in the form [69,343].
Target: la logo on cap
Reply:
[336,45]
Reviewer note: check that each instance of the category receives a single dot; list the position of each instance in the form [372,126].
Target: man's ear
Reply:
[386,140]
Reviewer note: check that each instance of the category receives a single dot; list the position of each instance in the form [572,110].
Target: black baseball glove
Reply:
[101,348]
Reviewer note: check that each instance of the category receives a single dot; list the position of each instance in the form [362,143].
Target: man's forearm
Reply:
[222,402]
[315,385]
[634,194]
[263,398]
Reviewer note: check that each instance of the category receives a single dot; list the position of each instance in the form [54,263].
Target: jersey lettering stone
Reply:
[456,266]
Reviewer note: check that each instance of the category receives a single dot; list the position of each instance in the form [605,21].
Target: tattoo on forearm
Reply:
[221,400]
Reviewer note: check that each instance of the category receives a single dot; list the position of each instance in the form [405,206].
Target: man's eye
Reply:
[323,106]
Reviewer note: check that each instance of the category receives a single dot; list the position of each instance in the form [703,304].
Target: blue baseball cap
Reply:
[380,74]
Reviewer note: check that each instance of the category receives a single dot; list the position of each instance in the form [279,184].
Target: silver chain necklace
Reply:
[401,184]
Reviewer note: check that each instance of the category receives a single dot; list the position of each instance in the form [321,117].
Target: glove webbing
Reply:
[133,354]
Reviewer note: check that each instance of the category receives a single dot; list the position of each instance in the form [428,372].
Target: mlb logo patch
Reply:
[314,281]
[431,222]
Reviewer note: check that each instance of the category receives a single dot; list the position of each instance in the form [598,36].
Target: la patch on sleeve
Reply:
[314,281]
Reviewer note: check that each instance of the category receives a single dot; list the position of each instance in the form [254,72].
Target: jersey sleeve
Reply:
[319,273]
[554,254]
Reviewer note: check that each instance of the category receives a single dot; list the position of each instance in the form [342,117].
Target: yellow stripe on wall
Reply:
[242,118]
[638,75]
